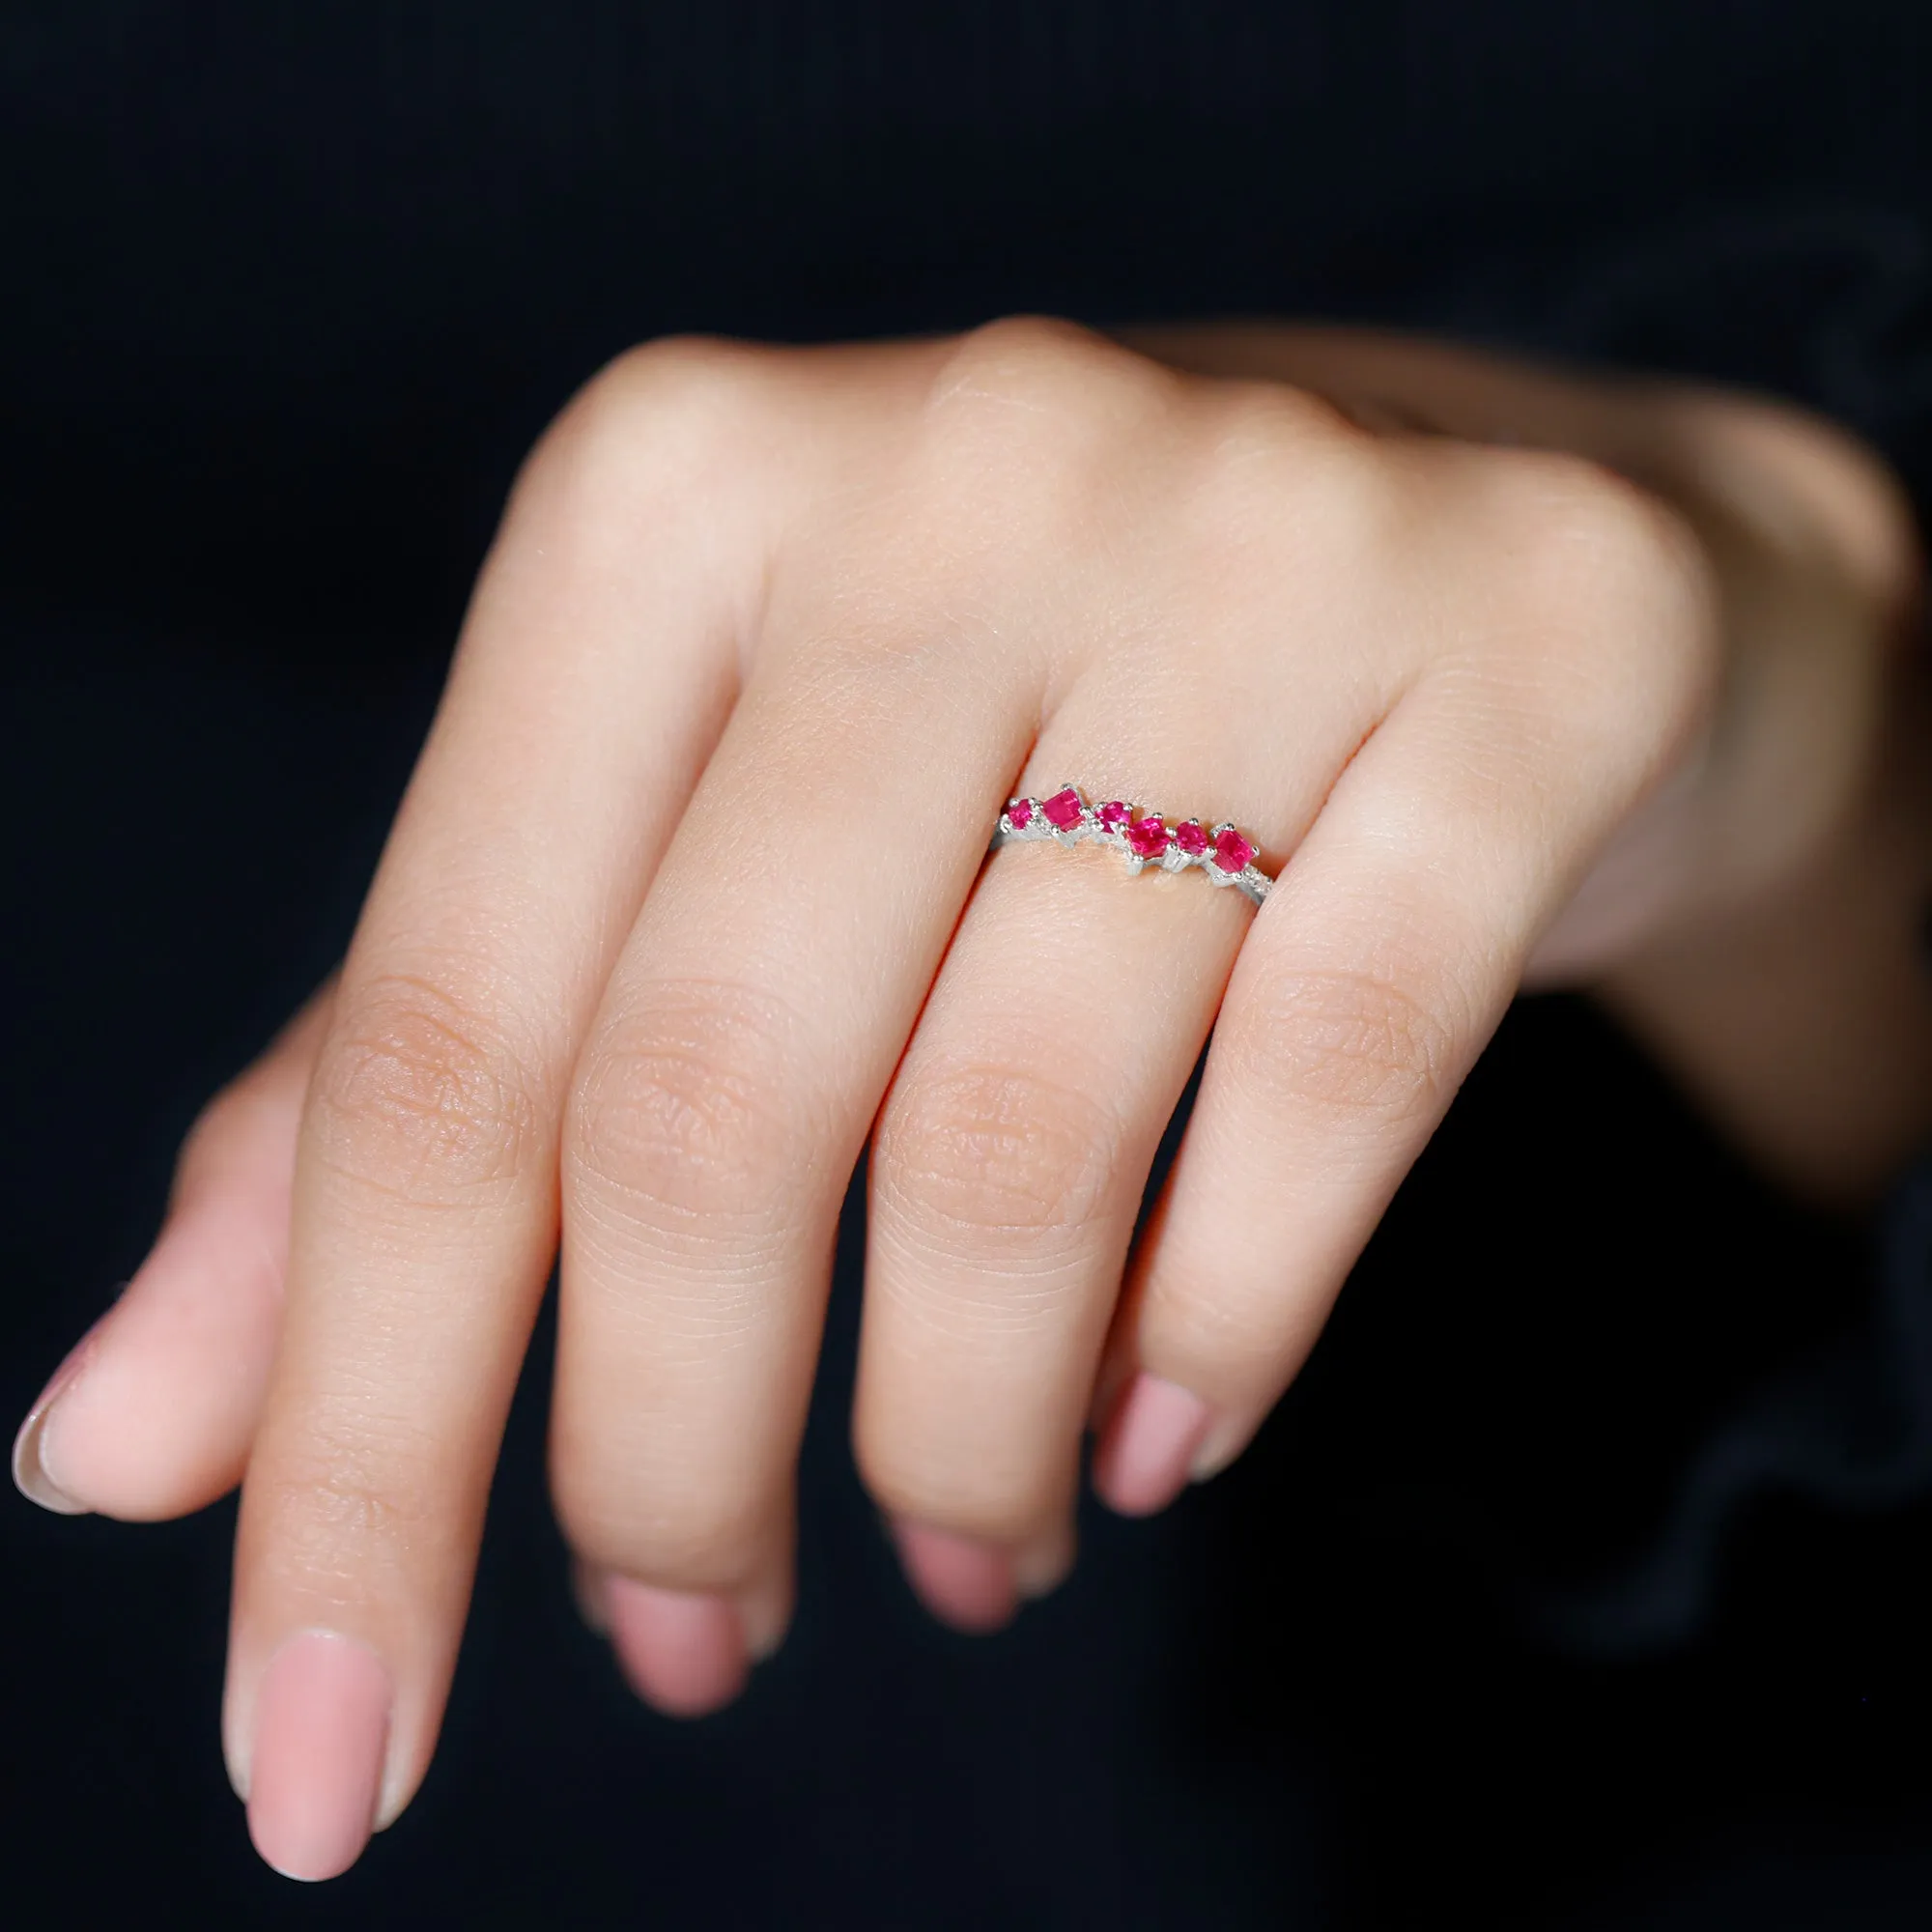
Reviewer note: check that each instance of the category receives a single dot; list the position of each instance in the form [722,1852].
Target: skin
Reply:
[1519,676]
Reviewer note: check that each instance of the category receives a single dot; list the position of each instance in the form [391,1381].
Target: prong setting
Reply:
[1142,836]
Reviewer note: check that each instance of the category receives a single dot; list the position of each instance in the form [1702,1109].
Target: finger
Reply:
[1014,1147]
[152,1412]
[1375,975]
[736,1067]
[1012,1153]
[1005,1179]
[595,668]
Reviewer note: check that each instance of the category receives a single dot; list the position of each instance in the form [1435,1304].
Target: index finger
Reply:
[595,671]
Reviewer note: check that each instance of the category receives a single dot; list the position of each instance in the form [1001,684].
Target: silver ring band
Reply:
[1225,855]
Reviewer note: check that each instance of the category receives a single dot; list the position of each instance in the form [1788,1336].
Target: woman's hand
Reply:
[689,898]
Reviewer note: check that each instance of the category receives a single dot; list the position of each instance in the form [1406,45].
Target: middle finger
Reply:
[720,1108]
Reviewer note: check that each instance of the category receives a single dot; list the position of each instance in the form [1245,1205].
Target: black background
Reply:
[284,293]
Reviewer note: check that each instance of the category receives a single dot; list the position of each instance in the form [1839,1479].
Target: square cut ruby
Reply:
[1020,814]
[1148,836]
[1190,837]
[1063,808]
[1232,852]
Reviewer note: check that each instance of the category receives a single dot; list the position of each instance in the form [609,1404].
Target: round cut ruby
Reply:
[1063,808]
[1020,814]
[1113,816]
[1232,852]
[1190,837]
[1148,836]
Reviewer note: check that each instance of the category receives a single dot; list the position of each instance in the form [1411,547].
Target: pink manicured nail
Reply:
[31,1475]
[963,1580]
[1144,1456]
[322,1729]
[682,1652]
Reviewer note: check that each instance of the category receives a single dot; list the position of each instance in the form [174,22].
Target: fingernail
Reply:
[1146,1456]
[963,1580]
[764,1615]
[322,1729]
[30,1474]
[1222,1445]
[682,1651]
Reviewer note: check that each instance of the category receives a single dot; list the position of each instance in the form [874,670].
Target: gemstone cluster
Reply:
[1223,854]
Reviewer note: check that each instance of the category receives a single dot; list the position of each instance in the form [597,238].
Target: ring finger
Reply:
[1014,1146]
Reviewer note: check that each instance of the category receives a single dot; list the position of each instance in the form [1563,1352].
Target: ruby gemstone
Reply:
[1020,814]
[1113,816]
[1232,852]
[1063,808]
[1148,836]
[1190,837]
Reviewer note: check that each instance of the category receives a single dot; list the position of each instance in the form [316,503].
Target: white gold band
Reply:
[1225,855]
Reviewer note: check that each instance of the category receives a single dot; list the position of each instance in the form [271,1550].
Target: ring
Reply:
[1225,855]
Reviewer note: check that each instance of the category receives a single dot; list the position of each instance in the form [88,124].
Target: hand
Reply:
[688,900]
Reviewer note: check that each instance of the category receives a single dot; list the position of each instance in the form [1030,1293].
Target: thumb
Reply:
[153,1414]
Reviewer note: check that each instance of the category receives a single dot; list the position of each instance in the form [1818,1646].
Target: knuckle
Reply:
[1032,359]
[686,1110]
[1282,424]
[1353,1046]
[1029,410]
[1275,469]
[1574,516]
[420,1092]
[990,1156]
[667,412]
[1614,609]
[677,381]
[1595,541]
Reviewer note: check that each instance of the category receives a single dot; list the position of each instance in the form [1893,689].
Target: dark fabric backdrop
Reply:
[284,293]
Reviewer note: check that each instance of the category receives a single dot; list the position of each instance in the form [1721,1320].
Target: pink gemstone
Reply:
[1020,814]
[1190,837]
[1114,814]
[1063,808]
[1232,852]
[1148,836]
